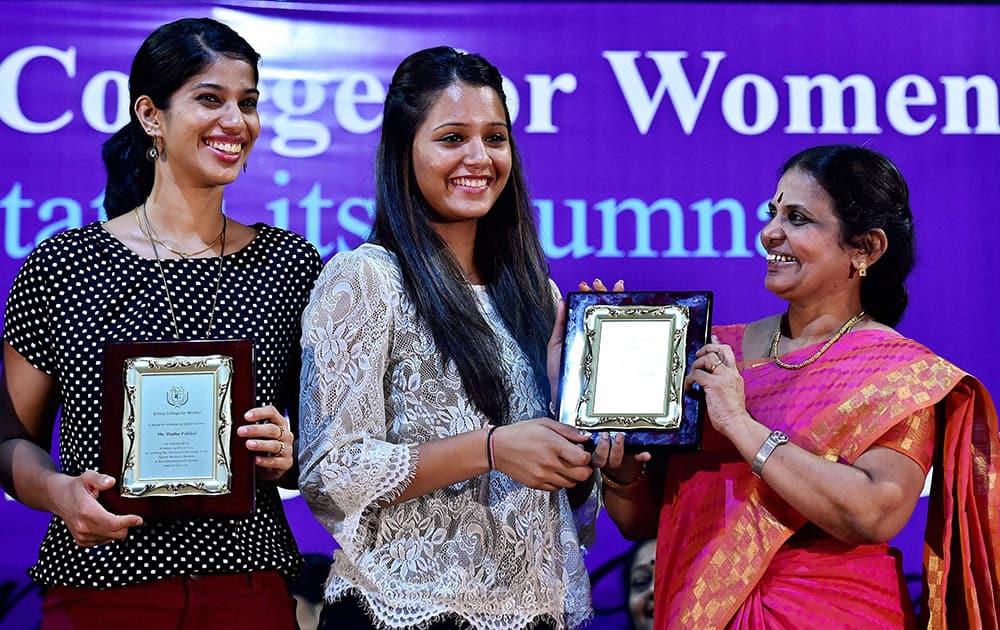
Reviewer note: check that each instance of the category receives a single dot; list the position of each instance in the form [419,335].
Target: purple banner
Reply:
[651,134]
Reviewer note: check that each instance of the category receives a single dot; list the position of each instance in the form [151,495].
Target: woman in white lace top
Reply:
[425,448]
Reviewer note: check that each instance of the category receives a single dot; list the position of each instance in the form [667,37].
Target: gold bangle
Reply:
[609,481]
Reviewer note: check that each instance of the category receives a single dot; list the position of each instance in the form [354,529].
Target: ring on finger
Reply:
[281,432]
[715,365]
[281,449]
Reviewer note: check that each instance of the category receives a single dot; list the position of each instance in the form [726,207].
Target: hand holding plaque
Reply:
[625,356]
[169,436]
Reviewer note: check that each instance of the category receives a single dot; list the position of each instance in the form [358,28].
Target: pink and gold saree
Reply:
[732,554]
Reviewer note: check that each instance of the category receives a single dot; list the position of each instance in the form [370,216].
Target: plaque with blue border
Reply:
[625,357]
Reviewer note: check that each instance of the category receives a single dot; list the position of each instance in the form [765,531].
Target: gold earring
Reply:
[862,269]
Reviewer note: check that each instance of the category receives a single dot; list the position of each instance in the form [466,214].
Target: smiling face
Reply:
[210,125]
[806,259]
[461,153]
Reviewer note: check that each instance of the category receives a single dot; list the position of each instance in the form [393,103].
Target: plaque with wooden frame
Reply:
[169,415]
[625,357]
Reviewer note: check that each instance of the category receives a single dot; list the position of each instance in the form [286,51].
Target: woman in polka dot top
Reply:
[168,265]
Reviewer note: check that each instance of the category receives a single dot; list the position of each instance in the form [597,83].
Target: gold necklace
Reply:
[163,276]
[849,324]
[149,231]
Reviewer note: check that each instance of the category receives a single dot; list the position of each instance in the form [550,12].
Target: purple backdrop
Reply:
[651,134]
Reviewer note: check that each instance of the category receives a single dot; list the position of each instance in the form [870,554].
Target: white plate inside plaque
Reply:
[176,426]
[633,367]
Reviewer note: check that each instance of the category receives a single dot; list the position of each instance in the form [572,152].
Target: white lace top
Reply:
[490,550]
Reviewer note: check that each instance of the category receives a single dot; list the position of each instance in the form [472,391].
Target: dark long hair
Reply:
[168,58]
[868,193]
[507,252]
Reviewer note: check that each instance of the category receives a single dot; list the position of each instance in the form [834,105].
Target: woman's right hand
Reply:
[75,502]
[542,454]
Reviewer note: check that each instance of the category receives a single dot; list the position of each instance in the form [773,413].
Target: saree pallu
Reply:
[721,527]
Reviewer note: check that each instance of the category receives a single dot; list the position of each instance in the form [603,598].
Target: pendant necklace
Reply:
[848,325]
[163,277]
[148,232]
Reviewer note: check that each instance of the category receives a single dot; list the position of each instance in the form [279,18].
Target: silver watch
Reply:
[773,441]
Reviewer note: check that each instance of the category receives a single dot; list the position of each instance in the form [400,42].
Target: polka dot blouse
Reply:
[82,288]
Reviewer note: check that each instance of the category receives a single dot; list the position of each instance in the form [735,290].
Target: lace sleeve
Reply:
[347,466]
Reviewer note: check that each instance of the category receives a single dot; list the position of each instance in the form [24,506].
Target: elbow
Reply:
[868,531]
[872,525]
[322,503]
[325,492]
[310,485]
[854,534]
[7,446]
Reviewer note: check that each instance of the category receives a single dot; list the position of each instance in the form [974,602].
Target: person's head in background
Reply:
[639,583]
[449,180]
[167,61]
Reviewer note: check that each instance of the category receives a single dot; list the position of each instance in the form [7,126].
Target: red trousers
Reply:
[210,602]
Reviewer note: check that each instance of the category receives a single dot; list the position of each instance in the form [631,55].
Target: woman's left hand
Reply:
[609,455]
[269,435]
[716,372]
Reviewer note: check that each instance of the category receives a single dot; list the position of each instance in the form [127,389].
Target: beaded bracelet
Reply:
[489,444]
[609,481]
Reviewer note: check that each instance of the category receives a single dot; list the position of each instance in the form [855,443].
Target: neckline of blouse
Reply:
[259,227]
[745,363]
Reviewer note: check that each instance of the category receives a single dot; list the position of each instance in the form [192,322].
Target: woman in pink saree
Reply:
[824,422]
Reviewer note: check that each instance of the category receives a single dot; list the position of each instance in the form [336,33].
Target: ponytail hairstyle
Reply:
[508,255]
[168,58]
[868,193]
